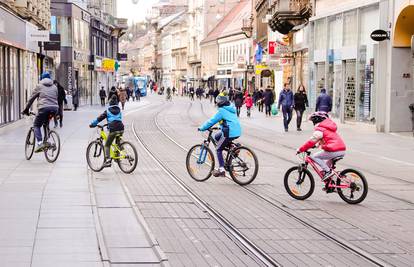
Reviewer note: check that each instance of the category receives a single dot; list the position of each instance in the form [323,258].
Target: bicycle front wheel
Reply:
[299,183]
[95,156]
[243,166]
[29,145]
[200,162]
[356,188]
[53,147]
[128,159]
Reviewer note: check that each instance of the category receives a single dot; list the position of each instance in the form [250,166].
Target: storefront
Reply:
[224,78]
[12,51]
[343,62]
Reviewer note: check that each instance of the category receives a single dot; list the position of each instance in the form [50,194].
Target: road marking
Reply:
[382,157]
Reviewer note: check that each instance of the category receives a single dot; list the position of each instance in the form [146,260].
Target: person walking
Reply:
[301,102]
[191,93]
[249,104]
[211,94]
[75,98]
[102,95]
[286,100]
[269,99]
[61,101]
[113,92]
[324,102]
[137,93]
[238,101]
[215,94]
[122,95]
[260,102]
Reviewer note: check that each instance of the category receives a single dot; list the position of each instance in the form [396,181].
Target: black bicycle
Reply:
[241,162]
[51,140]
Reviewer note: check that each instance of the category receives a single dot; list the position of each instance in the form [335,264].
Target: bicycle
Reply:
[51,140]
[349,182]
[122,152]
[240,161]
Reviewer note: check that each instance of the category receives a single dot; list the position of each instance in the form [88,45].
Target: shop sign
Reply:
[108,64]
[38,36]
[86,17]
[260,68]
[379,35]
[122,57]
[250,68]
[282,49]
[70,78]
[54,44]
[272,47]
[221,72]
[79,56]
[98,63]
[274,64]
[285,61]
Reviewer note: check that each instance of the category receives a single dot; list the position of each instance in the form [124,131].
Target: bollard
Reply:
[411,107]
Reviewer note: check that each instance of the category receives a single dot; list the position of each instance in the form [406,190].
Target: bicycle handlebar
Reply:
[101,126]
[213,129]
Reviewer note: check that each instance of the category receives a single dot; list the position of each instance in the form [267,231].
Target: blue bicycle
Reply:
[241,162]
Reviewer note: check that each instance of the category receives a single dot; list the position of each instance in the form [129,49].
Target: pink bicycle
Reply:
[350,184]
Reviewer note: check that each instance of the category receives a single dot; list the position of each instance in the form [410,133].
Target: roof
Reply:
[231,23]
[167,20]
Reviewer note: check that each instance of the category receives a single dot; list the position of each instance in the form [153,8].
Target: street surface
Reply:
[62,214]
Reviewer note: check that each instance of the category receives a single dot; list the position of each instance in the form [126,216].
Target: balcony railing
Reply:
[286,14]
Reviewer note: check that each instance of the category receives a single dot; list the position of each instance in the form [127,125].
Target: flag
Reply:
[259,53]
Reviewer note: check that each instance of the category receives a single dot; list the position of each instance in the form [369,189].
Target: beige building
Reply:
[26,9]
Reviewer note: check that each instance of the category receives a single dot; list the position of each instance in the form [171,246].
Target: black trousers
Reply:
[299,116]
[59,114]
[102,101]
[269,110]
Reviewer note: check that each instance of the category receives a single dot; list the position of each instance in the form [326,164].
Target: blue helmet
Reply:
[45,75]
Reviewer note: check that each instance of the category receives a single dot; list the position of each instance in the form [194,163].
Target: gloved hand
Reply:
[92,126]
[298,151]
[198,129]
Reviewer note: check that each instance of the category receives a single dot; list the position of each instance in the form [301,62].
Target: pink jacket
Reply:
[249,101]
[325,134]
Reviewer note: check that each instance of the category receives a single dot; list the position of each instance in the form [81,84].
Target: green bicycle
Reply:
[122,152]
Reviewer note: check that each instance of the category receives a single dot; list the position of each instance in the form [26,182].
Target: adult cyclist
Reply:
[230,129]
[46,94]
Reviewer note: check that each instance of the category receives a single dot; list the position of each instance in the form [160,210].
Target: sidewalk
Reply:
[61,214]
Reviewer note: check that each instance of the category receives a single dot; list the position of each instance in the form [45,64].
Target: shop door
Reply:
[337,88]
[2,85]
[350,90]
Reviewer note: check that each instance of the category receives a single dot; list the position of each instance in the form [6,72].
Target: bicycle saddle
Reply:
[335,160]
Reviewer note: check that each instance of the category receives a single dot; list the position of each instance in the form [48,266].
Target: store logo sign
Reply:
[379,35]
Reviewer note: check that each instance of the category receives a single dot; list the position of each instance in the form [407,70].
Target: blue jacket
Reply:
[324,103]
[227,114]
[114,117]
[286,99]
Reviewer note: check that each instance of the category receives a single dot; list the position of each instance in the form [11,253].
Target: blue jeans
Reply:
[287,116]
[42,118]
[222,143]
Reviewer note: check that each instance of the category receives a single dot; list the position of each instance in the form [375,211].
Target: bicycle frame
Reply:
[115,152]
[309,161]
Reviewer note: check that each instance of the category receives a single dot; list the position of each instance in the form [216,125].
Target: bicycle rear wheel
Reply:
[95,156]
[243,166]
[357,189]
[129,157]
[30,144]
[200,162]
[299,183]
[53,147]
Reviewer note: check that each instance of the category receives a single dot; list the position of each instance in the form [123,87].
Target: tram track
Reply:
[276,204]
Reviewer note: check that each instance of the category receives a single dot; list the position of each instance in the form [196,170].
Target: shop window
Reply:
[64,28]
[350,28]
[320,31]
[350,90]
[335,31]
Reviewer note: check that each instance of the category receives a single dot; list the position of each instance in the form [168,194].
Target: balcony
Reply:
[288,14]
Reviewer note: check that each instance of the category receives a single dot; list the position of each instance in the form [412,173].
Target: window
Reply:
[350,28]
[320,31]
[335,31]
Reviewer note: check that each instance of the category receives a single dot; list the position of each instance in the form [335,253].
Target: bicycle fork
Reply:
[203,155]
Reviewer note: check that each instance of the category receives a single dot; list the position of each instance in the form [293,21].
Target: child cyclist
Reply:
[113,115]
[325,134]
[230,129]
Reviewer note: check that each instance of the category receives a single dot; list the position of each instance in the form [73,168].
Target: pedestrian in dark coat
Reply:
[269,99]
[75,98]
[301,102]
[286,100]
[324,102]
[61,101]
[215,94]
[238,101]
[102,95]
[260,101]
[112,92]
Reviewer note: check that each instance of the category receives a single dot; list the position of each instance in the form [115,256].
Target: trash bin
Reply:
[412,115]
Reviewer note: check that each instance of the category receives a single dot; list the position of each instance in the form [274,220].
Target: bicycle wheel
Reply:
[29,144]
[129,157]
[53,147]
[357,186]
[95,155]
[200,162]
[243,166]
[299,183]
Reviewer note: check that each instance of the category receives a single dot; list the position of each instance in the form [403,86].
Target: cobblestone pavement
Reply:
[381,226]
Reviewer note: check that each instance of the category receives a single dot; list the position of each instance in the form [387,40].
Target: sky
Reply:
[134,12]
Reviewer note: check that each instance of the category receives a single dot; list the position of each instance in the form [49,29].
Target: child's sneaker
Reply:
[107,163]
[219,173]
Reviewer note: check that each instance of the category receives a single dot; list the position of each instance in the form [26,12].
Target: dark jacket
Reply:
[286,99]
[301,101]
[102,93]
[324,103]
[61,95]
[75,96]
[113,125]
[238,99]
[268,97]
[113,92]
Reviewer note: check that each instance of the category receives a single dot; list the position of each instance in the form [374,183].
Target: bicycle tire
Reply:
[55,136]
[135,163]
[364,182]
[190,169]
[101,152]
[308,174]
[232,170]
[30,143]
